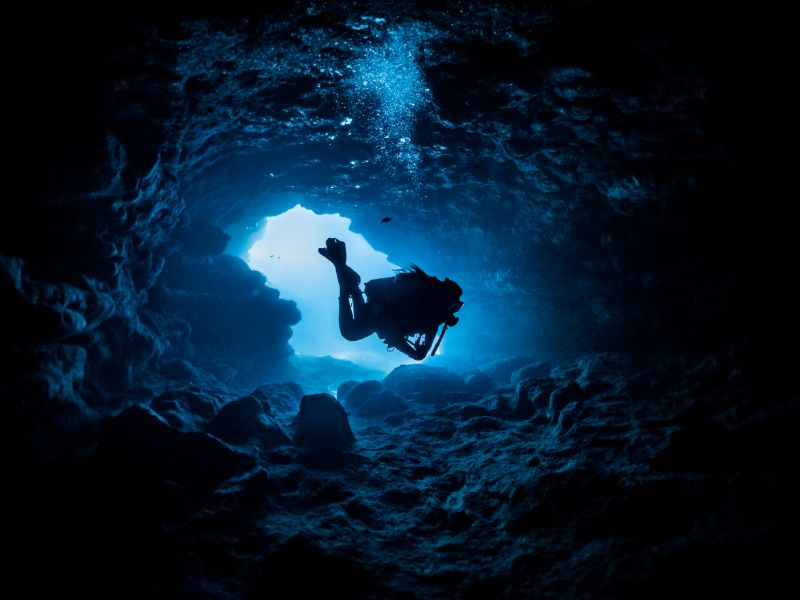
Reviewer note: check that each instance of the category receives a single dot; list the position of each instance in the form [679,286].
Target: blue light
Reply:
[286,252]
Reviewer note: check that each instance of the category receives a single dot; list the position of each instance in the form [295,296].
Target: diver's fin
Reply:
[335,251]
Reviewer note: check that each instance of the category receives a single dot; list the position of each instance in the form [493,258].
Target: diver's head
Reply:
[452,299]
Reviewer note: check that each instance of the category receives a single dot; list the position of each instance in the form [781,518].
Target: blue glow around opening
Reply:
[286,252]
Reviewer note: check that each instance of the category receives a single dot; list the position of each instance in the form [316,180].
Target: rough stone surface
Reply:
[382,403]
[322,425]
[531,371]
[424,380]
[360,393]
[247,420]
[138,442]
[480,383]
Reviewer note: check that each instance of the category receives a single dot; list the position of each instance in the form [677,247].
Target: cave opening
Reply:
[284,249]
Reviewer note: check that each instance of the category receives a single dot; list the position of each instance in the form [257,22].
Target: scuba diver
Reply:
[405,310]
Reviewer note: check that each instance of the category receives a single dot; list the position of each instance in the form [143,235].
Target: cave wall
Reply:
[584,172]
[108,281]
[601,177]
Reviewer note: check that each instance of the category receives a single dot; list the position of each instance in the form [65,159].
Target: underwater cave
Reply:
[612,414]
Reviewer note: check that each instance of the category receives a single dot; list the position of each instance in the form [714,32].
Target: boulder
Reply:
[186,408]
[381,404]
[423,379]
[142,446]
[247,420]
[322,425]
[281,397]
[344,388]
[360,393]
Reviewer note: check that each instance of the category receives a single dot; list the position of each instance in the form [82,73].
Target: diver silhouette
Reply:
[412,304]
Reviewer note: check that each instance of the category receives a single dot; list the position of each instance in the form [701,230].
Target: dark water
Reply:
[600,178]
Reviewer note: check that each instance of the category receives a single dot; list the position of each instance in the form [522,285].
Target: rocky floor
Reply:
[610,477]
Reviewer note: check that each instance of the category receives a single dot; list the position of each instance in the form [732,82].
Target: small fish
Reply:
[386,219]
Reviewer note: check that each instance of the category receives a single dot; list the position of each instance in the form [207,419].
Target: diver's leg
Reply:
[353,327]
[353,320]
[359,306]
